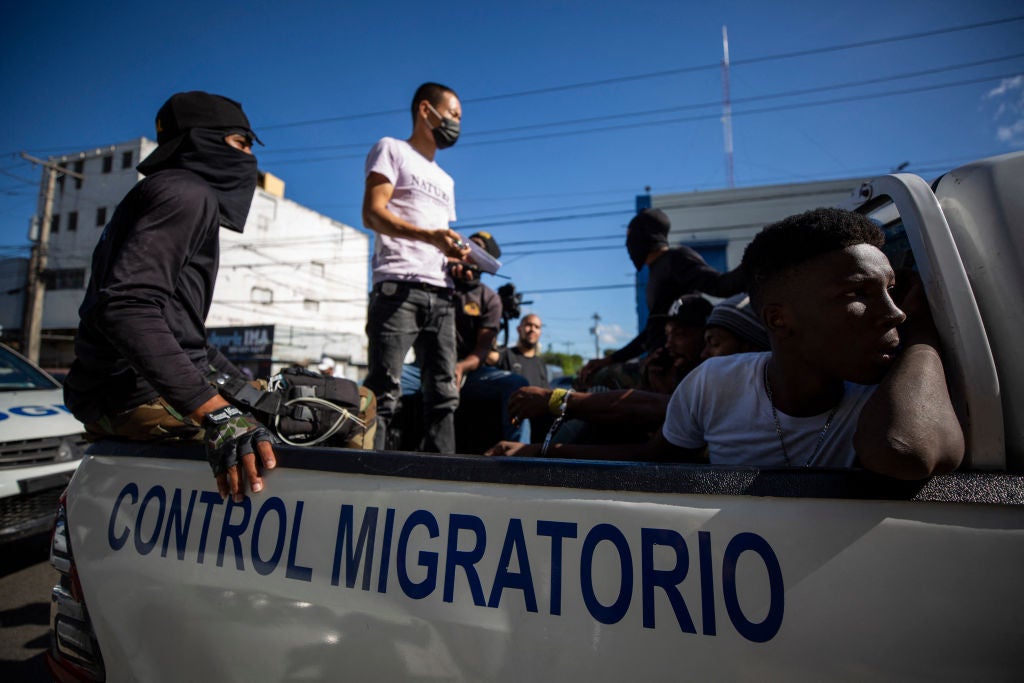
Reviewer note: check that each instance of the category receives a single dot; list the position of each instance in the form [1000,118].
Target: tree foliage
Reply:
[570,363]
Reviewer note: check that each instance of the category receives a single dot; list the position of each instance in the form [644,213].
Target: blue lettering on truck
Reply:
[430,556]
[34,411]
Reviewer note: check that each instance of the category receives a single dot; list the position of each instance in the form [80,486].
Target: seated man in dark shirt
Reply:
[524,358]
[484,390]
[141,355]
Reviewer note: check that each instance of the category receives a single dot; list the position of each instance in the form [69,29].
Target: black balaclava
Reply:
[231,172]
[647,232]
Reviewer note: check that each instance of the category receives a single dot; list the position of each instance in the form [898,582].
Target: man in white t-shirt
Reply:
[409,202]
[840,387]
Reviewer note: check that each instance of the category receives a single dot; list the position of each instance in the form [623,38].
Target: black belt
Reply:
[413,284]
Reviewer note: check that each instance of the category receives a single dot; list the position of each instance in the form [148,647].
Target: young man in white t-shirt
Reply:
[409,202]
[840,387]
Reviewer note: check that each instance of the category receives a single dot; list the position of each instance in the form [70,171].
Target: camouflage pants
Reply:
[159,421]
[368,415]
[153,421]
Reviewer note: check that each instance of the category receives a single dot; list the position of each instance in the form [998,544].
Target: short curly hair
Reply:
[791,242]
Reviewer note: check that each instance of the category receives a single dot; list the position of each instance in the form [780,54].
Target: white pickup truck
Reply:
[400,566]
[41,444]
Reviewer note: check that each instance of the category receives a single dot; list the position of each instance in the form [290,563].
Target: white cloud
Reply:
[1013,134]
[613,336]
[1008,98]
[1005,86]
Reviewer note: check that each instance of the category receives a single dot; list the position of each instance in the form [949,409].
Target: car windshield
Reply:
[17,373]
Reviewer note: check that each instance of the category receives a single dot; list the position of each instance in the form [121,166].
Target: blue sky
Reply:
[543,157]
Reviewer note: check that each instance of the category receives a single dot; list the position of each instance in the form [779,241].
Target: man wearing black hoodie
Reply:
[673,272]
[142,355]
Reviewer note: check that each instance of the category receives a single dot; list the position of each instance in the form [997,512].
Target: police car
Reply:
[41,444]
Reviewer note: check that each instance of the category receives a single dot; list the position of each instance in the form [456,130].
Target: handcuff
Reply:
[563,403]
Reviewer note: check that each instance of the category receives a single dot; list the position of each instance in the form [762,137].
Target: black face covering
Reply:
[447,133]
[231,172]
[648,231]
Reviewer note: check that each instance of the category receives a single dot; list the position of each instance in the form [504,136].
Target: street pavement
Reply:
[26,579]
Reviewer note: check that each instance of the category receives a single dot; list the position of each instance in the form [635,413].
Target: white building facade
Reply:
[719,224]
[300,271]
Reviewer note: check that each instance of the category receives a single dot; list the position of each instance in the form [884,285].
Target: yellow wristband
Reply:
[555,401]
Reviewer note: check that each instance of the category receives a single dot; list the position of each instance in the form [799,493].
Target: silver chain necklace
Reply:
[778,426]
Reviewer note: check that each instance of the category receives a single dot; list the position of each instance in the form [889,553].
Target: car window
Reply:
[17,374]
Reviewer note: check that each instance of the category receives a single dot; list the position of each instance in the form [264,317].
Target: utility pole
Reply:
[35,285]
[597,336]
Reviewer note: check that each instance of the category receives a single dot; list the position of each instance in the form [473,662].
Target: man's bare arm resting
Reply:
[658,449]
[908,428]
[645,408]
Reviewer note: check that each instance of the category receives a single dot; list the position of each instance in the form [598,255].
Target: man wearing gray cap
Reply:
[142,357]
[733,327]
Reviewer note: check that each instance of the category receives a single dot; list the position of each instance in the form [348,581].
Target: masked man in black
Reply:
[142,355]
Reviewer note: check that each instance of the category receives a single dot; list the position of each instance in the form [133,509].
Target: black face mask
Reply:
[640,244]
[647,232]
[230,172]
[447,133]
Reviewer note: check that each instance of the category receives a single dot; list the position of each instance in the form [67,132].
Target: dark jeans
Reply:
[404,316]
[488,386]
[496,386]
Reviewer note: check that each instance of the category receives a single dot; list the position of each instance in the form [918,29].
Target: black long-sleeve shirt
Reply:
[142,332]
[677,272]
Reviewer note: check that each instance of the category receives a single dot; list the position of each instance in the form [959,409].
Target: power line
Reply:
[921,168]
[590,288]
[536,252]
[18,177]
[621,79]
[545,219]
[669,72]
[558,240]
[667,110]
[690,119]
[524,213]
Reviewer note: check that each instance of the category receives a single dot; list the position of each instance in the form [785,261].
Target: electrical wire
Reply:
[670,72]
[682,119]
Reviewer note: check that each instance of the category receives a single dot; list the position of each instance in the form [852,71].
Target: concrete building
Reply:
[719,224]
[293,269]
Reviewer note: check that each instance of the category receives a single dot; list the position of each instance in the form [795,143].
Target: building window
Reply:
[317,268]
[126,159]
[65,278]
[262,295]
[101,216]
[55,223]
[310,305]
[713,253]
[108,163]
[72,221]
[79,168]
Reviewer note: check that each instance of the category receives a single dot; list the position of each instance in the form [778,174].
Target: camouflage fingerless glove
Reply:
[230,434]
